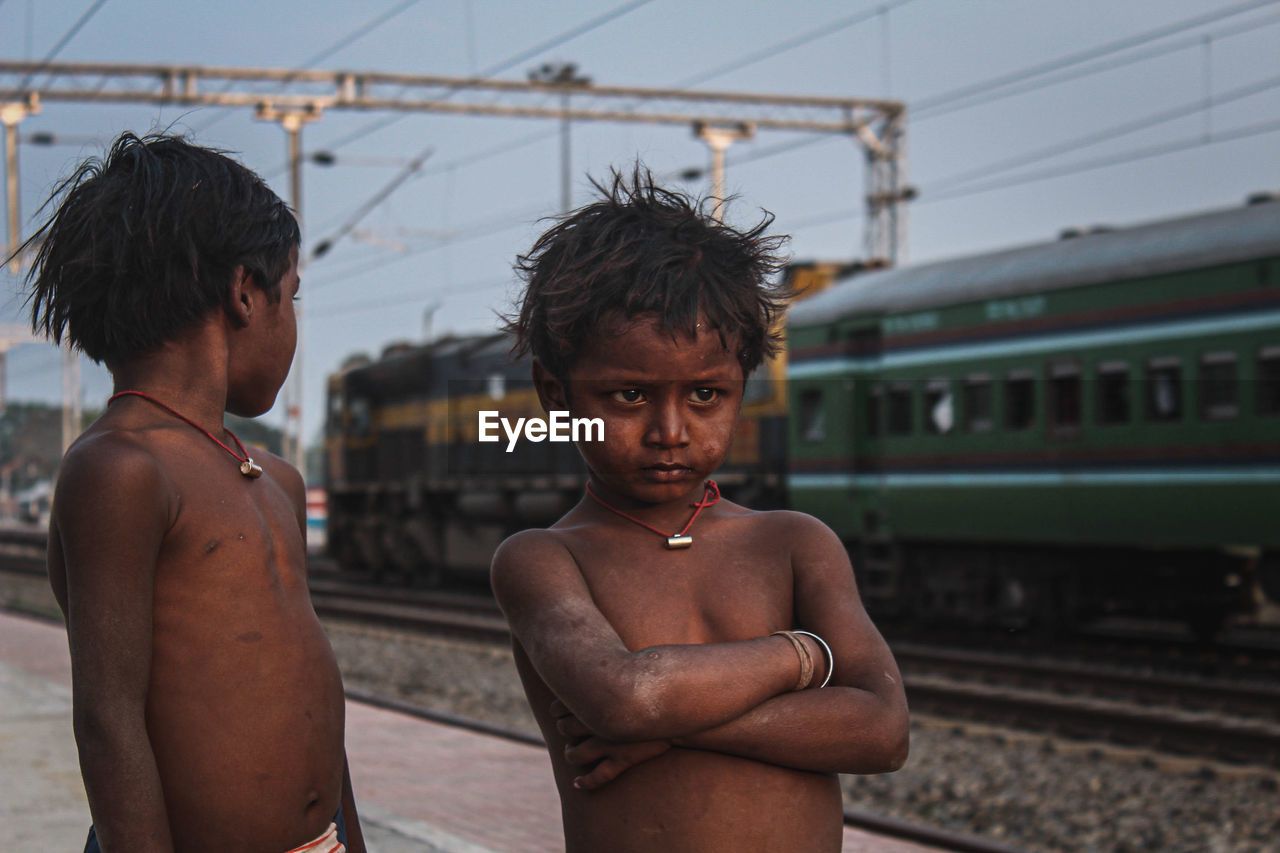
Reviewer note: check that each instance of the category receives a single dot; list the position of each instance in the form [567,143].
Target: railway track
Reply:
[1216,718]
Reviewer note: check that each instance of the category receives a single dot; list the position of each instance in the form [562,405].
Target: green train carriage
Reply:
[1057,432]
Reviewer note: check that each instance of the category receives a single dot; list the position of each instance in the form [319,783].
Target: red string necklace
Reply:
[248,467]
[675,541]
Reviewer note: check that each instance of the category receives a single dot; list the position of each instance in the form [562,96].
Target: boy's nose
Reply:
[669,427]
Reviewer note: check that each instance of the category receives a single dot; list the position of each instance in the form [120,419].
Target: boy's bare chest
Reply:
[247,533]
[722,588]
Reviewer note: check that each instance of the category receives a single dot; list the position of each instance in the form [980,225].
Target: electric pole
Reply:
[565,76]
[718,139]
[292,121]
[11,113]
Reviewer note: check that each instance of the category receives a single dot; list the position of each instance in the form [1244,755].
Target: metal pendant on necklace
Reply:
[250,469]
[675,541]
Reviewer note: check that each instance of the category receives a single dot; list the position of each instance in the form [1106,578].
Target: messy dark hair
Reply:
[642,249]
[145,241]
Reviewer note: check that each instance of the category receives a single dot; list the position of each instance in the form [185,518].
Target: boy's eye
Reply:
[704,395]
[628,395]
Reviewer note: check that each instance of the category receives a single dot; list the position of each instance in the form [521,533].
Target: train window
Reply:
[1268,383]
[335,412]
[813,415]
[759,386]
[1113,393]
[1164,389]
[875,410]
[900,419]
[1219,387]
[1064,396]
[939,408]
[496,386]
[361,419]
[977,403]
[1019,399]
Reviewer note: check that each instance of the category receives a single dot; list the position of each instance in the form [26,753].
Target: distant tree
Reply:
[30,443]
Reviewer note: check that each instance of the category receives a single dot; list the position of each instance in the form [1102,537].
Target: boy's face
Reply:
[268,353]
[669,407]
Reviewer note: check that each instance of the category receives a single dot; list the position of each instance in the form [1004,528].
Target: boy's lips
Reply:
[667,471]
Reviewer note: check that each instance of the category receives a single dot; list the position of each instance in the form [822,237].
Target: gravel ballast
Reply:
[1028,791]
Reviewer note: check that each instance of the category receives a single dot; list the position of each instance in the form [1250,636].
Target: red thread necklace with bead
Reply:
[248,467]
[675,541]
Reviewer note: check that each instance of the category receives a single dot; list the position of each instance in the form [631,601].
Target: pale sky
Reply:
[1024,117]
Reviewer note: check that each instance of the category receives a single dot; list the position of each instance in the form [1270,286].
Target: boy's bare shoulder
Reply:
[111,462]
[283,472]
[534,571]
[535,546]
[799,530]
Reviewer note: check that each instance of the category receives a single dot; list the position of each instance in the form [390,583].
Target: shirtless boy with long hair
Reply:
[208,707]
[675,647]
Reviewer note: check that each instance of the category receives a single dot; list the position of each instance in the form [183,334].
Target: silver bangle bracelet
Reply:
[826,651]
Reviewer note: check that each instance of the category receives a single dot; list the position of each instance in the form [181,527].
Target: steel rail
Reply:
[1193,692]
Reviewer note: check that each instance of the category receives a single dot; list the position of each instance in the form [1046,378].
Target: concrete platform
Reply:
[420,786]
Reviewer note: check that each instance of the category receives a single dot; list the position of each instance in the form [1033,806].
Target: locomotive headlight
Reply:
[1233,580]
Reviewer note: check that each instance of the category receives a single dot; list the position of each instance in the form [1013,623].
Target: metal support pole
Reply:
[565,76]
[718,139]
[70,396]
[10,115]
[11,335]
[565,158]
[885,238]
[292,120]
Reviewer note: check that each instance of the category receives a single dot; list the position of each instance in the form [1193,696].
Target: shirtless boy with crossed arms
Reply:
[208,707]
[652,624]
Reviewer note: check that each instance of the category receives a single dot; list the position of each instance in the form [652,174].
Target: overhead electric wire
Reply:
[1138,56]
[484,154]
[357,34]
[778,48]
[1001,88]
[1005,86]
[67,37]
[1061,62]
[756,56]
[522,56]
[495,225]
[404,298]
[771,51]
[1132,155]
[1108,134]
[376,199]
[989,87]
[1199,140]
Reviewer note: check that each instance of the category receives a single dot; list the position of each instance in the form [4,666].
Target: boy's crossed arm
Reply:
[109,520]
[856,725]
[655,693]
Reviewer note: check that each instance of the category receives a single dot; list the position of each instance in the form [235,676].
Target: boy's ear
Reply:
[240,296]
[551,391]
